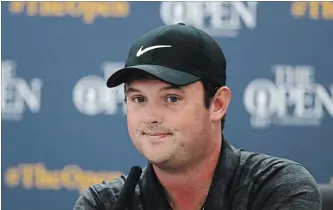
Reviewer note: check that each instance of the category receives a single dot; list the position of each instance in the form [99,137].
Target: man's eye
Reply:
[172,99]
[139,99]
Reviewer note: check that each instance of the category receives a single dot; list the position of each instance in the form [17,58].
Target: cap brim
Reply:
[166,74]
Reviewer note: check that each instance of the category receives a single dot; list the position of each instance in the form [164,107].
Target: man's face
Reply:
[170,126]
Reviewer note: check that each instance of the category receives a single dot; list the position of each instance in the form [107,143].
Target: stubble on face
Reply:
[168,134]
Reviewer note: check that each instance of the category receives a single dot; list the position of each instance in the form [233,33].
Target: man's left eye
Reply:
[172,99]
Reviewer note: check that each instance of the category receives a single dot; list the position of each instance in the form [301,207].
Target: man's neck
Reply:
[187,188]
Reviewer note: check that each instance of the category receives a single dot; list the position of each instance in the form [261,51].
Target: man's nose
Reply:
[153,114]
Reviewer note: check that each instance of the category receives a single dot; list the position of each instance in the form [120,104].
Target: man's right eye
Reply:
[139,99]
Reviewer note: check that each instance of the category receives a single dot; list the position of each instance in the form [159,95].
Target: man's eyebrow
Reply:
[173,87]
[169,87]
[132,89]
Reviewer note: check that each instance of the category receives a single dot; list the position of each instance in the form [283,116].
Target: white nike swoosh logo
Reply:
[140,51]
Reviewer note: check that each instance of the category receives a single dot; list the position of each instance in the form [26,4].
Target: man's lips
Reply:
[157,134]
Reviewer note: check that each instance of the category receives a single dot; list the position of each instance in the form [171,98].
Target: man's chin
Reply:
[167,165]
[159,155]
[158,161]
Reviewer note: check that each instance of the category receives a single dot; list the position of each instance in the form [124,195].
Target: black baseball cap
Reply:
[178,54]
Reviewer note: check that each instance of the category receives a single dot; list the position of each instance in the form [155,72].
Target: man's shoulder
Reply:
[102,195]
[274,181]
[259,170]
[253,162]
[255,167]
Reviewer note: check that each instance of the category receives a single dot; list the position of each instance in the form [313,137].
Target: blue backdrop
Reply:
[63,130]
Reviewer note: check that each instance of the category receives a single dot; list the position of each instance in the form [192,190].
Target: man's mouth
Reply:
[156,134]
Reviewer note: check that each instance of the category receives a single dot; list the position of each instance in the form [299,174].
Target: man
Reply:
[176,100]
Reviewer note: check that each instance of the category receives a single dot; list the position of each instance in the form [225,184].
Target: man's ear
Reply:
[220,103]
